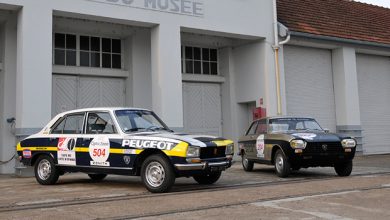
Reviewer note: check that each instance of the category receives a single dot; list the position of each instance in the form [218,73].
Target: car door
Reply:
[261,132]
[249,141]
[65,135]
[101,141]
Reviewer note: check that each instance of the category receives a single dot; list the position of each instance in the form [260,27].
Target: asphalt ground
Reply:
[314,193]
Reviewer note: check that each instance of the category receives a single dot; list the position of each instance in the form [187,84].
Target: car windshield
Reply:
[139,120]
[293,124]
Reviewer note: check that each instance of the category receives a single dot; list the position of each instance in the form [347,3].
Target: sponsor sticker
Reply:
[306,136]
[99,151]
[126,159]
[260,146]
[27,153]
[66,154]
[144,143]
[129,151]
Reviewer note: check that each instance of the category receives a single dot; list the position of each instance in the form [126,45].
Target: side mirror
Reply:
[326,130]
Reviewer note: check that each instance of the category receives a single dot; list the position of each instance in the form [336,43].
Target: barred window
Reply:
[196,60]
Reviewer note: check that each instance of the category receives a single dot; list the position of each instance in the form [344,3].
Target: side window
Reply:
[72,124]
[252,129]
[262,127]
[100,123]
[59,128]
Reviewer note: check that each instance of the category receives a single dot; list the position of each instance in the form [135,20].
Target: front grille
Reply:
[319,148]
[212,152]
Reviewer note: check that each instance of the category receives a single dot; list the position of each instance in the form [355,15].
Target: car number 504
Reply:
[99,152]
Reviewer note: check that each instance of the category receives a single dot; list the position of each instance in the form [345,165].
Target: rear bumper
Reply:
[212,166]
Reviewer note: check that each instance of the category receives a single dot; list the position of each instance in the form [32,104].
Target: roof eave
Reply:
[338,39]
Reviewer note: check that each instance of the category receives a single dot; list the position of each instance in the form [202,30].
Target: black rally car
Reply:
[291,143]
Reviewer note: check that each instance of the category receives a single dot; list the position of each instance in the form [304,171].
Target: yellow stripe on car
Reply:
[19,148]
[180,150]
[223,143]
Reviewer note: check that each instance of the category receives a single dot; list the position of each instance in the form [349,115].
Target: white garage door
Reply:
[202,108]
[72,92]
[374,94]
[309,84]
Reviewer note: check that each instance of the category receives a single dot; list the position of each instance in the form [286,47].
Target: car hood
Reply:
[194,140]
[310,136]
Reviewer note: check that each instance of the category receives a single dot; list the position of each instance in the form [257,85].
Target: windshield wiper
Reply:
[134,129]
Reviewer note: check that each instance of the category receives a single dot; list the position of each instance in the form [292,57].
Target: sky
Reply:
[384,3]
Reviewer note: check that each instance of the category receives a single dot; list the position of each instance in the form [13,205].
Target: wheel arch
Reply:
[145,154]
[37,155]
[275,148]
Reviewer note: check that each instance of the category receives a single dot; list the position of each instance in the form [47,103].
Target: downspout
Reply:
[276,48]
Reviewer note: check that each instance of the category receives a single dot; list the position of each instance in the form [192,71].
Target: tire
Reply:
[246,164]
[282,165]
[208,178]
[344,169]
[97,176]
[46,173]
[157,174]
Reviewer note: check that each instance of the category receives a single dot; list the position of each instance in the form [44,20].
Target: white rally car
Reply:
[124,141]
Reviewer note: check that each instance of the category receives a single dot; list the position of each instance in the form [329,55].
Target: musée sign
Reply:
[184,7]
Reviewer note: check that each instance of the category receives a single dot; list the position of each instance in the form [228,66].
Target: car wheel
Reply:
[157,174]
[46,173]
[282,165]
[246,164]
[344,169]
[97,176]
[208,178]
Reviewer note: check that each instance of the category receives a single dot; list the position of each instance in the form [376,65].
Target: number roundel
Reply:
[99,149]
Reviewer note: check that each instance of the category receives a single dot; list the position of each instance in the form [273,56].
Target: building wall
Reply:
[350,111]
[152,36]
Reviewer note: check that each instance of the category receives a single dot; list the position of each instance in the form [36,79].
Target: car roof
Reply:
[101,109]
[281,117]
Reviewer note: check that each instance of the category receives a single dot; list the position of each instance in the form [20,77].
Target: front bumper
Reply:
[212,166]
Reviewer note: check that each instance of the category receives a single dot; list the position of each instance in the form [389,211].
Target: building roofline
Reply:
[338,39]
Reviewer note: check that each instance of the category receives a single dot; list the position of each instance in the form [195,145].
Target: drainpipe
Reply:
[276,48]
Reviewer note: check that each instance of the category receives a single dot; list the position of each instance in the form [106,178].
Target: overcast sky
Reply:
[384,3]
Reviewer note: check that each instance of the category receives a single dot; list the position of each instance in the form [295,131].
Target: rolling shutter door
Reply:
[374,96]
[72,92]
[309,84]
[202,108]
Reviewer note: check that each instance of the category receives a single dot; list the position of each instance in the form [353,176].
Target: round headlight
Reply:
[229,149]
[298,144]
[193,151]
[348,143]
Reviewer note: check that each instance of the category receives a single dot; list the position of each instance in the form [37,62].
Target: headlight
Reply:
[348,143]
[298,144]
[193,151]
[229,149]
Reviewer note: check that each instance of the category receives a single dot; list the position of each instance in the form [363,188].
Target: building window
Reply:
[92,51]
[196,60]
[89,51]
[65,49]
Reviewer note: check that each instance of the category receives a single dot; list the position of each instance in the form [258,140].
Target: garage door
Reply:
[202,108]
[374,94]
[309,84]
[72,92]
